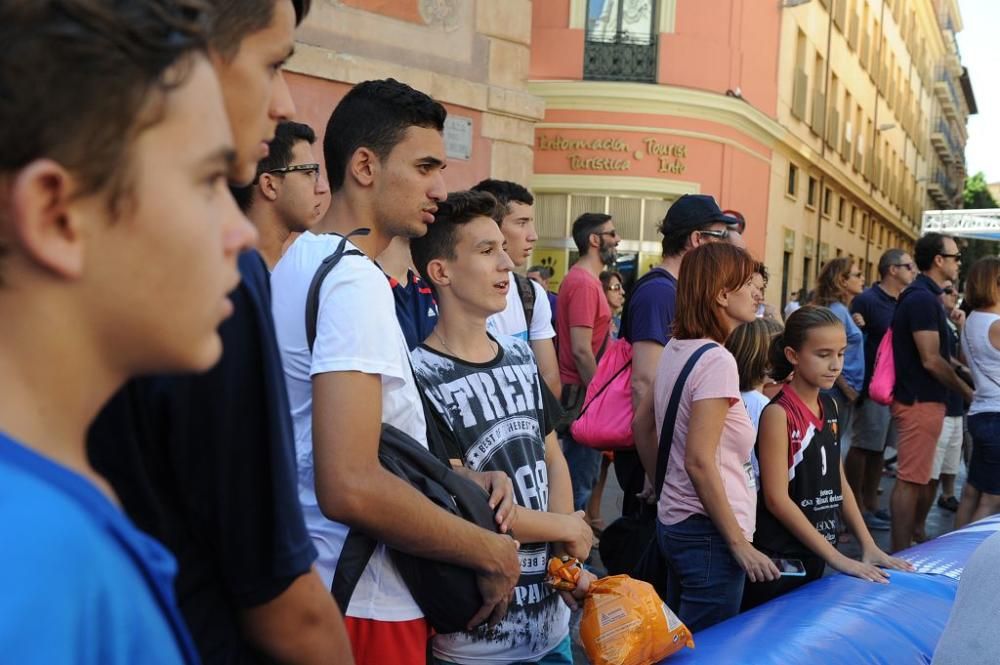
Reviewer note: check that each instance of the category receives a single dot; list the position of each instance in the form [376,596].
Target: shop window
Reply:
[621,41]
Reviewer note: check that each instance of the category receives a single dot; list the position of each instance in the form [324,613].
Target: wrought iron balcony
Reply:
[623,58]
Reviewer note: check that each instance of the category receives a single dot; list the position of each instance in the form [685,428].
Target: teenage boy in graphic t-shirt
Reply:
[488,391]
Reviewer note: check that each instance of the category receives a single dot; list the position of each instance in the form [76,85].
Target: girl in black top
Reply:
[801,501]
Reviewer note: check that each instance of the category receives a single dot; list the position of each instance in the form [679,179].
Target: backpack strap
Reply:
[527,293]
[328,264]
[670,418]
[654,273]
[354,556]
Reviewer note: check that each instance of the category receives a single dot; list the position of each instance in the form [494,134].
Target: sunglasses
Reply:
[948,291]
[957,256]
[616,287]
[613,233]
[721,234]
[308,169]
[908,266]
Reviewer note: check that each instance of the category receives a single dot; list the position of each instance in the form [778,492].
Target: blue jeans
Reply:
[584,467]
[705,581]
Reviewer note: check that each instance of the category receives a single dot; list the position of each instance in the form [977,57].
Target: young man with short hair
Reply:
[288,192]
[384,152]
[518,228]
[924,374]
[118,246]
[584,323]
[872,422]
[489,392]
[205,462]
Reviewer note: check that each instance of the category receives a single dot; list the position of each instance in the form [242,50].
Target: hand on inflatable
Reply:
[758,566]
[877,557]
[865,571]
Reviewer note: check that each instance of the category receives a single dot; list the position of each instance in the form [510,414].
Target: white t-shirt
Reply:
[754,401]
[356,330]
[511,321]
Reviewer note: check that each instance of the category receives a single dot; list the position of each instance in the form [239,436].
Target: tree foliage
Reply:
[977,197]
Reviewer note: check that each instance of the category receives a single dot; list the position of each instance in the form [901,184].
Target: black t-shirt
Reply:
[919,309]
[205,464]
[813,476]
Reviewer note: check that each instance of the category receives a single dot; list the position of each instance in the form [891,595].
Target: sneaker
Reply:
[874,523]
[883,514]
[951,503]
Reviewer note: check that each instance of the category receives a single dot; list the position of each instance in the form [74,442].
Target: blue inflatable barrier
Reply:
[841,620]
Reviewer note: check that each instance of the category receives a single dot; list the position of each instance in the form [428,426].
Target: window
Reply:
[621,41]
[811,193]
[854,220]
[793,180]
[841,210]
[827,201]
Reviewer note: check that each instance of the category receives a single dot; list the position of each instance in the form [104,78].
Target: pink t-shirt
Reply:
[713,376]
[581,303]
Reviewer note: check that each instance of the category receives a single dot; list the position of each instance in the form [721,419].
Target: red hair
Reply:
[707,271]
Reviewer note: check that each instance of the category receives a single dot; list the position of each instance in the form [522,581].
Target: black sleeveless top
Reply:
[813,475]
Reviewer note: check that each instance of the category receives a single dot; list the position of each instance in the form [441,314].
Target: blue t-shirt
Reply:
[854,355]
[650,308]
[919,309]
[78,582]
[416,308]
[876,307]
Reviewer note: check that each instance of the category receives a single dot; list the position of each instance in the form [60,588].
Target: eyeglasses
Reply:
[957,256]
[721,234]
[616,287]
[908,266]
[309,169]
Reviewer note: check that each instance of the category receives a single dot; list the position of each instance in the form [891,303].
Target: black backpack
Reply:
[527,293]
[447,594]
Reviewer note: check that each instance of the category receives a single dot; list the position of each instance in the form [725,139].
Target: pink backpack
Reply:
[883,381]
[605,421]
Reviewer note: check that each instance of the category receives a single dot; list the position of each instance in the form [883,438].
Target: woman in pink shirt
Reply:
[707,508]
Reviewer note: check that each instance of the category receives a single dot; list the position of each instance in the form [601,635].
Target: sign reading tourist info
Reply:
[621,154]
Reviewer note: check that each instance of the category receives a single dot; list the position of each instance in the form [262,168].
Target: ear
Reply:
[46,220]
[792,356]
[437,271]
[267,185]
[363,167]
[722,300]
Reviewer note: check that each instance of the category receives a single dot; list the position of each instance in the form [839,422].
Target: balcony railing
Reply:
[623,58]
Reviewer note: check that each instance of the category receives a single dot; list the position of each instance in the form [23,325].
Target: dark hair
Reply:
[586,225]
[545,271]
[606,276]
[279,156]
[982,286]
[705,272]
[505,192]
[889,258]
[441,237]
[750,344]
[80,79]
[828,287]
[375,115]
[675,240]
[761,270]
[797,328]
[235,20]
[928,247]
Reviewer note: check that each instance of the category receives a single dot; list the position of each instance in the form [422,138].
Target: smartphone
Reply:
[790,567]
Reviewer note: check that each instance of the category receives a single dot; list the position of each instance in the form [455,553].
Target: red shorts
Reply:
[377,642]
[918,427]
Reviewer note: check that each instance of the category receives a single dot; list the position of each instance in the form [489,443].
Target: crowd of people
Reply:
[211,334]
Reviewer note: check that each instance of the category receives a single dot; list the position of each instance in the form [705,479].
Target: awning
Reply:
[983,224]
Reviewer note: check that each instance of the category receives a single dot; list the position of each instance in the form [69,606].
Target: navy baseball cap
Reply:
[695,211]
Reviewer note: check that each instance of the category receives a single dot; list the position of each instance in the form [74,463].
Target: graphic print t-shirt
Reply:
[813,475]
[495,411]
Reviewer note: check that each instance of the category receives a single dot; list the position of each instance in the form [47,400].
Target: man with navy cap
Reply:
[693,220]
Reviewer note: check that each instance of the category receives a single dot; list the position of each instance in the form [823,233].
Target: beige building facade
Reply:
[471,55]
[875,97]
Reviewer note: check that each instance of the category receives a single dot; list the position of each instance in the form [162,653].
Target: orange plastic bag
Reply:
[625,623]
